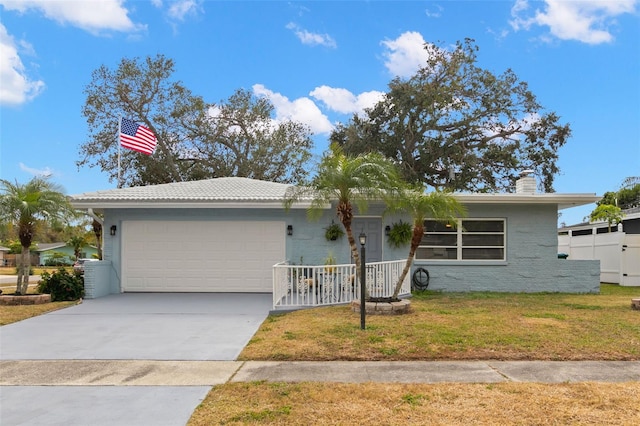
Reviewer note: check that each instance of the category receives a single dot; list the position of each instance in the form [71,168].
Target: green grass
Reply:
[463,326]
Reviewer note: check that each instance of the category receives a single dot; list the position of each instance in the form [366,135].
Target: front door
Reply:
[372,228]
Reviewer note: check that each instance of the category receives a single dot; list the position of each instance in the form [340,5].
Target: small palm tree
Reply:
[440,206]
[607,213]
[77,242]
[25,205]
[347,180]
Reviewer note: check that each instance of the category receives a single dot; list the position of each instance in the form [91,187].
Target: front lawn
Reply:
[420,404]
[455,326]
[443,326]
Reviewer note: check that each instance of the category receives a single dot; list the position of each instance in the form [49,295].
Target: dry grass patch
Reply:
[10,314]
[419,404]
[36,270]
[462,326]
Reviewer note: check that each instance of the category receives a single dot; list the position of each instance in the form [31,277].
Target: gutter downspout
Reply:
[95,216]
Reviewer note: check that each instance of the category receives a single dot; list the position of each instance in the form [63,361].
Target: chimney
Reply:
[526,184]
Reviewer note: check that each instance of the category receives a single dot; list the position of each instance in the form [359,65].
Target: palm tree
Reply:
[347,180]
[607,213]
[77,242]
[437,205]
[25,205]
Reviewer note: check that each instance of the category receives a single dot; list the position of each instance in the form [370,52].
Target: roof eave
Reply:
[150,204]
[563,201]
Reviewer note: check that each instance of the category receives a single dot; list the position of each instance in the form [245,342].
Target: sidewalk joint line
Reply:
[509,379]
[235,372]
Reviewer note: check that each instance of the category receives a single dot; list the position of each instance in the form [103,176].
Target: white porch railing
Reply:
[301,286]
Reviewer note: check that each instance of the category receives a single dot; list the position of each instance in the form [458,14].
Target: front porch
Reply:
[304,286]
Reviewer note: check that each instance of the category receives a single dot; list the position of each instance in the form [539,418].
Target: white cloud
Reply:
[345,102]
[498,34]
[406,54]
[310,38]
[182,8]
[435,12]
[16,88]
[91,16]
[303,110]
[45,173]
[585,21]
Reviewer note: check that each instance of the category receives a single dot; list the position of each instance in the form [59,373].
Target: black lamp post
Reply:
[363,280]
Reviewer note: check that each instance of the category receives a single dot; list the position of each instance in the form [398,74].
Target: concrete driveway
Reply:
[130,326]
[158,326]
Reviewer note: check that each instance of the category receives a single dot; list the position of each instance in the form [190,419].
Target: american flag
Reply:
[136,137]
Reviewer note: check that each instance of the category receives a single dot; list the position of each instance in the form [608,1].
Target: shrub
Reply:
[58,259]
[62,285]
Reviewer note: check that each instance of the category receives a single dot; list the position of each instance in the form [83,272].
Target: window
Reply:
[471,239]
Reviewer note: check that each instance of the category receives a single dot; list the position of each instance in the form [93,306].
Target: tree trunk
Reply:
[23,271]
[418,231]
[97,230]
[345,214]
[20,271]
[355,254]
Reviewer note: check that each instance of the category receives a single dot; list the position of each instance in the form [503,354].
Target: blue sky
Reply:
[319,62]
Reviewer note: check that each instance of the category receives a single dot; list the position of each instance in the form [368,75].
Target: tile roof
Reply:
[218,189]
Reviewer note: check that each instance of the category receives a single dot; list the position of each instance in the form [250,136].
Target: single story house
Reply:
[226,235]
[46,251]
[617,247]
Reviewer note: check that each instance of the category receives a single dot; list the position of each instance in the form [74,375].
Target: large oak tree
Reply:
[627,197]
[454,125]
[195,139]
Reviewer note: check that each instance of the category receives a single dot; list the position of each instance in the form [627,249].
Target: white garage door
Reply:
[199,256]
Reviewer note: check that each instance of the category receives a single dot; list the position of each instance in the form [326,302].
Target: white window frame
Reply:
[459,232]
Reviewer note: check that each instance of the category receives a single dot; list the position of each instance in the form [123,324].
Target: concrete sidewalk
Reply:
[210,373]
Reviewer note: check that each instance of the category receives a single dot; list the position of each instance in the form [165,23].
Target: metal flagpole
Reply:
[119,150]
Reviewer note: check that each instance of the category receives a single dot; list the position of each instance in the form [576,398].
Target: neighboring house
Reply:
[616,247]
[47,250]
[3,254]
[225,235]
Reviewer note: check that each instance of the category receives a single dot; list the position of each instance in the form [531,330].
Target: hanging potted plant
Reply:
[400,234]
[333,232]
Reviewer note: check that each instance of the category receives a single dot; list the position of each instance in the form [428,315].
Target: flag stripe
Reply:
[136,137]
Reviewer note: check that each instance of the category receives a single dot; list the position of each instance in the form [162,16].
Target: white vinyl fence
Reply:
[618,253]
